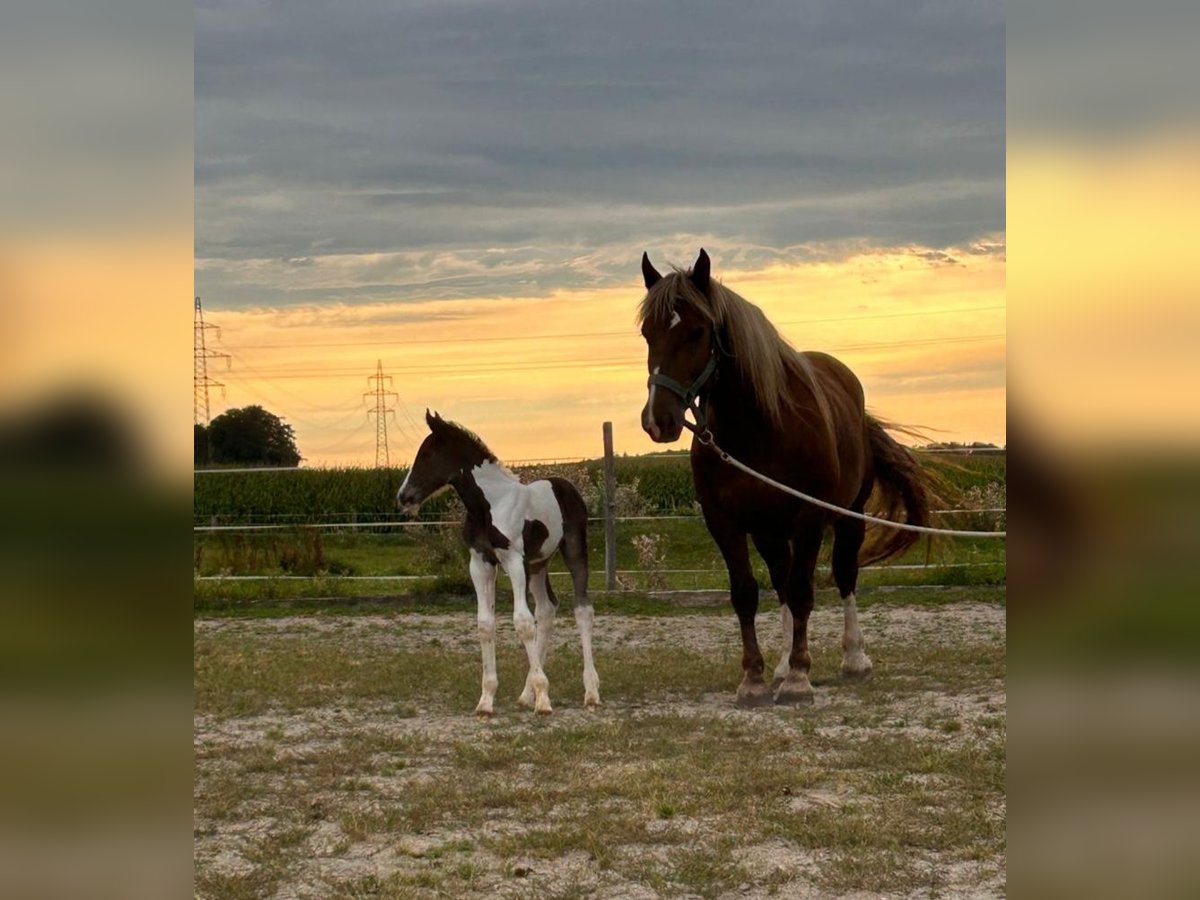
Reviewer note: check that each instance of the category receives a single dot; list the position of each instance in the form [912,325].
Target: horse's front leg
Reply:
[526,628]
[743,593]
[483,576]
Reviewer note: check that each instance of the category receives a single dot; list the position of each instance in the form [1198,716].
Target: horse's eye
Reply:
[695,335]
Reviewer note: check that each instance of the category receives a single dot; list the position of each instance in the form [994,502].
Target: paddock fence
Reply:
[609,522]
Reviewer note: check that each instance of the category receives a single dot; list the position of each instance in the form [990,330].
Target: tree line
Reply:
[249,436]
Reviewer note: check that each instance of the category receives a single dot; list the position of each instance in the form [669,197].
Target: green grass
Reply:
[440,559]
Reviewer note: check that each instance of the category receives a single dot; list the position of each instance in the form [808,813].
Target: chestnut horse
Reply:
[797,417]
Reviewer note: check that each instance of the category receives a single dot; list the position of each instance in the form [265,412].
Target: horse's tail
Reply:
[901,485]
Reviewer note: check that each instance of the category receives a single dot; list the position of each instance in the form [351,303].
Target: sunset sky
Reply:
[463,192]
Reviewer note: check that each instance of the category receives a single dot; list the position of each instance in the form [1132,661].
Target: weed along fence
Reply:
[336,531]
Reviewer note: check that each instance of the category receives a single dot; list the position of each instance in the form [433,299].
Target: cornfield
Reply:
[645,486]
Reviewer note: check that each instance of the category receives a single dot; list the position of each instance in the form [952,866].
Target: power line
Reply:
[602,362]
[296,399]
[578,334]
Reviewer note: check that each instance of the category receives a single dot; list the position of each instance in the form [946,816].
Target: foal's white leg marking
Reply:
[584,617]
[544,611]
[483,576]
[854,657]
[785,623]
[526,628]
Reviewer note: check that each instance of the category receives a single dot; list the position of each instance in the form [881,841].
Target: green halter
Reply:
[691,395]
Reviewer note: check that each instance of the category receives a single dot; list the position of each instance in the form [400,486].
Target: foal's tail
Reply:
[901,484]
[574,542]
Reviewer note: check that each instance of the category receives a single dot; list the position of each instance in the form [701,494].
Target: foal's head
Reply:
[679,333]
[447,451]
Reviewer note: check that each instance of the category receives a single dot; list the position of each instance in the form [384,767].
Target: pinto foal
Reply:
[517,527]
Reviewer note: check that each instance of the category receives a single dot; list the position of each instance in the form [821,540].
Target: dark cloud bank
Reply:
[526,146]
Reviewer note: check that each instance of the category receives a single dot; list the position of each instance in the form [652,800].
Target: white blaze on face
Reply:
[653,388]
[674,320]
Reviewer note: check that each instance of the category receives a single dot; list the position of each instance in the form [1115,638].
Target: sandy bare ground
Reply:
[254,771]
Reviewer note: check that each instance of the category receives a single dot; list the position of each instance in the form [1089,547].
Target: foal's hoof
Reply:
[753,694]
[526,699]
[544,708]
[484,712]
[795,690]
[850,674]
[591,701]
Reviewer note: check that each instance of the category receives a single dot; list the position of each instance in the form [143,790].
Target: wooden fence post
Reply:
[610,512]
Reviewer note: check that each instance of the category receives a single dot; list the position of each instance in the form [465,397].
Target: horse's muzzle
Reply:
[663,430]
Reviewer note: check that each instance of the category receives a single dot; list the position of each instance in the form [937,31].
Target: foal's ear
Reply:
[700,272]
[649,273]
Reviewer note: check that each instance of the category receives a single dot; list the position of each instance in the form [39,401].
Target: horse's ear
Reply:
[649,273]
[431,419]
[700,272]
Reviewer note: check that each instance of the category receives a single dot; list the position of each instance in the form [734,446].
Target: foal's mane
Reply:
[476,441]
[765,360]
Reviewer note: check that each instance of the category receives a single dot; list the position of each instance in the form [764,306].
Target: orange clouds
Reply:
[537,376]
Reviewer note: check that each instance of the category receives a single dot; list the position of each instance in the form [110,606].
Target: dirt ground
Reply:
[311,786]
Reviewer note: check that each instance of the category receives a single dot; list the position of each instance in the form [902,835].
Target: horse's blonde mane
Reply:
[765,360]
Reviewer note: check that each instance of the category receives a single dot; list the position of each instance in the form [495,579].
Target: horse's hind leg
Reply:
[777,553]
[483,576]
[574,553]
[795,687]
[545,605]
[847,540]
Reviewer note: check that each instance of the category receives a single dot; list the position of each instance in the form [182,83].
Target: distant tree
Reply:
[252,436]
[200,437]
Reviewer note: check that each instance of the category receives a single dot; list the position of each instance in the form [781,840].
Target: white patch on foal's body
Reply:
[513,504]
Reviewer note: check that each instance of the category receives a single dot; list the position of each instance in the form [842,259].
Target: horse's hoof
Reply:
[484,713]
[752,696]
[775,683]
[544,710]
[591,702]
[526,700]
[795,690]
[856,666]
[791,697]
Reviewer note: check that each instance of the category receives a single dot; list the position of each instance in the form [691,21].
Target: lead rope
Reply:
[705,437]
